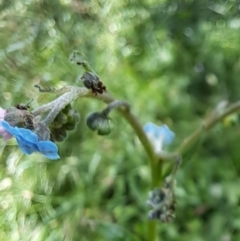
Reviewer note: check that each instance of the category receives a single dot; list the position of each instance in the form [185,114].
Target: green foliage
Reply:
[173,61]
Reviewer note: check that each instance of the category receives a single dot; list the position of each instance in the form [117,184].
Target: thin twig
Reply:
[217,117]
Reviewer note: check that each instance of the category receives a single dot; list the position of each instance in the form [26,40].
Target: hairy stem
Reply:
[57,105]
[116,104]
[77,92]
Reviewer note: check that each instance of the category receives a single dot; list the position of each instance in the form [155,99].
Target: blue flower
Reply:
[158,135]
[28,142]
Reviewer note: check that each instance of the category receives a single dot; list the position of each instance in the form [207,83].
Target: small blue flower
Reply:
[28,142]
[158,135]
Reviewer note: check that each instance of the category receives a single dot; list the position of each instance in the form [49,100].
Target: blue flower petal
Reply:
[167,134]
[20,132]
[150,128]
[12,130]
[26,139]
[27,135]
[28,142]
[49,149]
[27,147]
[161,133]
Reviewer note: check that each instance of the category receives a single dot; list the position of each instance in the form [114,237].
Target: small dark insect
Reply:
[100,88]
[92,81]
[22,107]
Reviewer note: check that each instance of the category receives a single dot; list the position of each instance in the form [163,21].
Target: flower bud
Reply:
[61,118]
[69,126]
[98,121]
[162,201]
[73,116]
[105,127]
[67,108]
[58,122]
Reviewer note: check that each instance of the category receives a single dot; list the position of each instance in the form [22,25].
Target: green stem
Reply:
[117,104]
[156,165]
[76,92]
[189,141]
[151,230]
[79,59]
[209,123]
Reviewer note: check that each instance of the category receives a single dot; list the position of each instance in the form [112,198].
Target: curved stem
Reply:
[156,161]
[116,104]
[76,92]
[215,118]
[59,104]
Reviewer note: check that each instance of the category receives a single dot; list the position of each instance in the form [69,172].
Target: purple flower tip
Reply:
[6,135]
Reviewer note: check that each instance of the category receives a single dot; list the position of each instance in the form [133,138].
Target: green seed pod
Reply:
[61,118]
[98,121]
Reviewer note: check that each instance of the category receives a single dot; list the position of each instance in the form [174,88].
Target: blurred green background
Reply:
[174,61]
